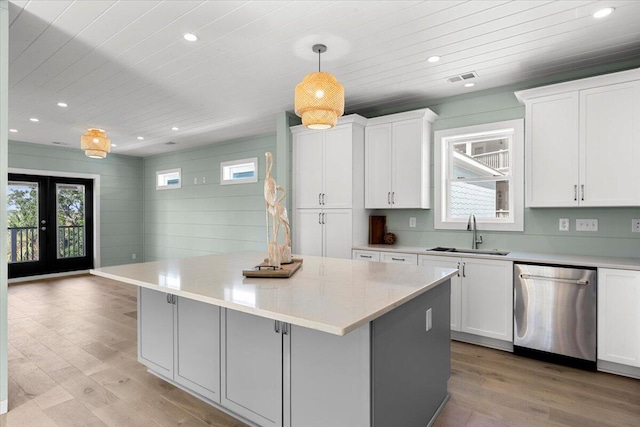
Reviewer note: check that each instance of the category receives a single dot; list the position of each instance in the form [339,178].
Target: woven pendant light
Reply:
[95,143]
[319,97]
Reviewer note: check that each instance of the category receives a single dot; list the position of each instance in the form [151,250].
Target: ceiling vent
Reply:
[461,77]
[170,143]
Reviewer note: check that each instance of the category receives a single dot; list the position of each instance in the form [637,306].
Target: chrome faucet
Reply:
[471,226]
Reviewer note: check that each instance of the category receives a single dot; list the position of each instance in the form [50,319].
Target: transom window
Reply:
[168,179]
[239,171]
[479,171]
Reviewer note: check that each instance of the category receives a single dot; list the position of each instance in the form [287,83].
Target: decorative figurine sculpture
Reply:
[278,253]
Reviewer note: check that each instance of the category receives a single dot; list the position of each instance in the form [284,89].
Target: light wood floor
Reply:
[72,362]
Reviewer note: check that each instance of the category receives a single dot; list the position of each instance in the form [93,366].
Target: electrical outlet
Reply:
[635,225]
[564,224]
[134,256]
[429,320]
[195,180]
[412,222]
[204,179]
[586,225]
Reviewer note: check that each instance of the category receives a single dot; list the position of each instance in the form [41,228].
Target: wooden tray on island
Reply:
[263,270]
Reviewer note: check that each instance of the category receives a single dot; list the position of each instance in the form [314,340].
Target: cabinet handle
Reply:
[458,268]
[463,272]
[582,192]
[324,217]
[323,194]
[174,298]
[285,328]
[276,326]
[320,218]
[397,259]
[365,256]
[575,193]
[168,298]
[393,198]
[319,198]
[389,198]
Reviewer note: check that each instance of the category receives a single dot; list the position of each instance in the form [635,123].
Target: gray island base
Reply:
[342,343]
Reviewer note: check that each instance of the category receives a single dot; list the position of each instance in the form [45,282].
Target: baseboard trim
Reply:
[47,276]
[439,410]
[483,341]
[618,369]
[4,406]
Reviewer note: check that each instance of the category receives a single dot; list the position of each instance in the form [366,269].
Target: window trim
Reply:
[252,179]
[516,185]
[169,186]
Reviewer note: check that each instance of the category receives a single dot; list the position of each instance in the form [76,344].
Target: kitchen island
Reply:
[341,343]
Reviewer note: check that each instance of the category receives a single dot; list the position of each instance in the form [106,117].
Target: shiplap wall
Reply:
[120,193]
[205,217]
[541,234]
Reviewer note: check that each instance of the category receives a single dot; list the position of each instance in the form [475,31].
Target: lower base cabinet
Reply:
[179,339]
[389,372]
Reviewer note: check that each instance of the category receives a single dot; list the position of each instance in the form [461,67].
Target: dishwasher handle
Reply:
[555,279]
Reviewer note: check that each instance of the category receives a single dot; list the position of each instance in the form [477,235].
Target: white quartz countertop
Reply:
[326,294]
[515,256]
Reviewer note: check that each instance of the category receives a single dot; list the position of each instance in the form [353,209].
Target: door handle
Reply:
[43,228]
[463,272]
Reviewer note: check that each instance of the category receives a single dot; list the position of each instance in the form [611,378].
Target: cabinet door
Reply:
[609,145]
[377,184]
[338,166]
[307,232]
[308,189]
[487,298]
[407,164]
[552,151]
[443,263]
[252,367]
[619,316]
[337,233]
[197,359]
[155,331]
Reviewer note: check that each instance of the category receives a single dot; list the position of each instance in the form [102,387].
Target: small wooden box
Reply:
[377,227]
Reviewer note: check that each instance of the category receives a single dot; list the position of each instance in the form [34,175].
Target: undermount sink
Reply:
[469,251]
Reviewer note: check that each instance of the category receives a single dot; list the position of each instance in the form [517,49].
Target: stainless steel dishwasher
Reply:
[554,314]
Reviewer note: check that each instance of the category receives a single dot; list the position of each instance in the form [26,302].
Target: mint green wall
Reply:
[205,218]
[613,238]
[120,193]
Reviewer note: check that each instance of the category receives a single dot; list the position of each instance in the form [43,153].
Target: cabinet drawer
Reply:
[398,257]
[366,255]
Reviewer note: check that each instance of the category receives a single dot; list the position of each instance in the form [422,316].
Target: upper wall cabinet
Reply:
[323,164]
[397,160]
[582,143]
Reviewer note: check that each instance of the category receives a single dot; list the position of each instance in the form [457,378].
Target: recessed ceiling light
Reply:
[190,37]
[433,59]
[62,104]
[141,138]
[175,128]
[13,130]
[603,12]
[469,84]
[114,145]
[33,119]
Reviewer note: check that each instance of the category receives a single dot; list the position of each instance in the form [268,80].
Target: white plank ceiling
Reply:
[124,66]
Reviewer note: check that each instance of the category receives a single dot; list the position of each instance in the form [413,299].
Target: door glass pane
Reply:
[70,202]
[484,199]
[22,215]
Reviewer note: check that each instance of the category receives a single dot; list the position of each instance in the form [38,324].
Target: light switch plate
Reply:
[586,225]
[429,320]
[412,222]
[635,225]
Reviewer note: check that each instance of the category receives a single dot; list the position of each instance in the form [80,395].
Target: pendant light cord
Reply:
[319,60]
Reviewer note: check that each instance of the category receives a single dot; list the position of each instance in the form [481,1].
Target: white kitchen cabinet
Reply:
[397,160]
[619,316]
[252,366]
[445,263]
[399,258]
[481,295]
[328,189]
[179,339]
[365,255]
[323,232]
[583,142]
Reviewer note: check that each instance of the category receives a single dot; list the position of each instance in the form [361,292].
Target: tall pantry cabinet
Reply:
[328,189]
